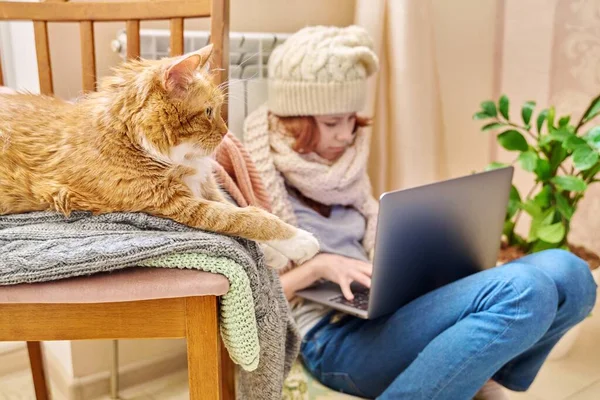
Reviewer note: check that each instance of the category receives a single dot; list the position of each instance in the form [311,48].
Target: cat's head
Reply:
[171,107]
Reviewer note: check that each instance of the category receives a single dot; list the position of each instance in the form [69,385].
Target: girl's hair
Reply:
[306,132]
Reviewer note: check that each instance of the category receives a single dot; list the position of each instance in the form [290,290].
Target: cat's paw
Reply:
[273,258]
[301,247]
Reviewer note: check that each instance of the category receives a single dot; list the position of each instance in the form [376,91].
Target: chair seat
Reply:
[131,284]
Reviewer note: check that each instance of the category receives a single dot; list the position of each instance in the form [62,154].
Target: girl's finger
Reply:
[345,286]
[361,278]
[365,268]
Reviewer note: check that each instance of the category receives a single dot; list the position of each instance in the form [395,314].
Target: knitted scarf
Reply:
[343,182]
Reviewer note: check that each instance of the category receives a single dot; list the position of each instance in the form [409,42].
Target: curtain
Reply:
[408,133]
[437,64]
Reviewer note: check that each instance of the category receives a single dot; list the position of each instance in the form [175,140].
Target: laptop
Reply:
[427,237]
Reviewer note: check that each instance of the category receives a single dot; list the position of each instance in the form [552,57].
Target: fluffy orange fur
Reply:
[141,143]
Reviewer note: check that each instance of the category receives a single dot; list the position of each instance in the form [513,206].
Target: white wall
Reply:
[18,56]
[17,47]
[60,351]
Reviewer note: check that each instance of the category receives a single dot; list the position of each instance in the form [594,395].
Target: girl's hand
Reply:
[343,271]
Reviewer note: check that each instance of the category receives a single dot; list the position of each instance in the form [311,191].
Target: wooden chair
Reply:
[137,303]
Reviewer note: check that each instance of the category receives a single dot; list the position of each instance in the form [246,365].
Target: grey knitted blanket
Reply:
[44,246]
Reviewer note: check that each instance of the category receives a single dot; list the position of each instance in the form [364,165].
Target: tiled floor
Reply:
[576,377]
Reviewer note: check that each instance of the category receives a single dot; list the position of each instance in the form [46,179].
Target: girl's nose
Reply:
[345,135]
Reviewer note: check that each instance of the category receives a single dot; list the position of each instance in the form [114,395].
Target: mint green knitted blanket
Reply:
[237,319]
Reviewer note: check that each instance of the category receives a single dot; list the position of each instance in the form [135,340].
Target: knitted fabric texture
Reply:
[237,320]
[344,182]
[321,70]
[238,176]
[45,246]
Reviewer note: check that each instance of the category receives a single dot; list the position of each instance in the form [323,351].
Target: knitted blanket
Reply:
[45,246]
[237,320]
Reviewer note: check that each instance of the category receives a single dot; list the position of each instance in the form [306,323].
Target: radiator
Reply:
[248,57]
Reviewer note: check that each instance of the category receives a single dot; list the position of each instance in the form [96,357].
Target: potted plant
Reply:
[564,157]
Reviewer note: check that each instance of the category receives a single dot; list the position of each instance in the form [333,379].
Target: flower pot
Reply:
[509,253]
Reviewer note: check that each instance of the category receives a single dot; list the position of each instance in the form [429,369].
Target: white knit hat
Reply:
[321,70]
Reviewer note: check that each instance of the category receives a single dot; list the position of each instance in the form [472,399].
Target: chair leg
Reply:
[227,375]
[36,359]
[202,334]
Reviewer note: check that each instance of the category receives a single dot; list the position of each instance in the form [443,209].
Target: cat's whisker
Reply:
[249,58]
[237,80]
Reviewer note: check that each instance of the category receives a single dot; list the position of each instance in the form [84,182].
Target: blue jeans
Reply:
[500,323]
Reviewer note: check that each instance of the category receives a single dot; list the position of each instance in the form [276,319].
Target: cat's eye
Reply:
[209,112]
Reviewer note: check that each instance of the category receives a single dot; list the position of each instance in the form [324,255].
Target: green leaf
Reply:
[585,158]
[550,118]
[540,245]
[593,137]
[495,165]
[539,220]
[564,121]
[531,208]
[508,228]
[543,170]
[557,155]
[563,206]
[528,160]
[543,198]
[489,108]
[527,110]
[541,119]
[554,233]
[569,183]
[514,202]
[593,110]
[573,142]
[513,140]
[481,115]
[492,125]
[590,173]
[503,105]
[560,135]
[547,139]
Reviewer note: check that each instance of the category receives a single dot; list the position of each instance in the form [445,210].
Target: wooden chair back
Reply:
[86,14]
[200,310]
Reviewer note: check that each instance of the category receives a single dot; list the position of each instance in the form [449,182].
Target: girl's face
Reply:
[336,133]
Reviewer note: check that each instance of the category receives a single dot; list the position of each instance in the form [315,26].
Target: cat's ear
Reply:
[205,54]
[180,72]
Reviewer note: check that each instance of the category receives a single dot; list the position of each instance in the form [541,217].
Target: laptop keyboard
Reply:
[360,301]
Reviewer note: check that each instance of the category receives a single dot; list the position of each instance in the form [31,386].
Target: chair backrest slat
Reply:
[42,49]
[176,44]
[219,36]
[88,57]
[133,39]
[108,11]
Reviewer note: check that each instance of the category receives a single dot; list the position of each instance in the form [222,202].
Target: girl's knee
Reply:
[573,279]
[535,292]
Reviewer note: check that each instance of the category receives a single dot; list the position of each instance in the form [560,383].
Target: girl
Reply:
[469,338]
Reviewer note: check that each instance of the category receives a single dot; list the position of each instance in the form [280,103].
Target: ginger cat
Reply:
[142,143]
